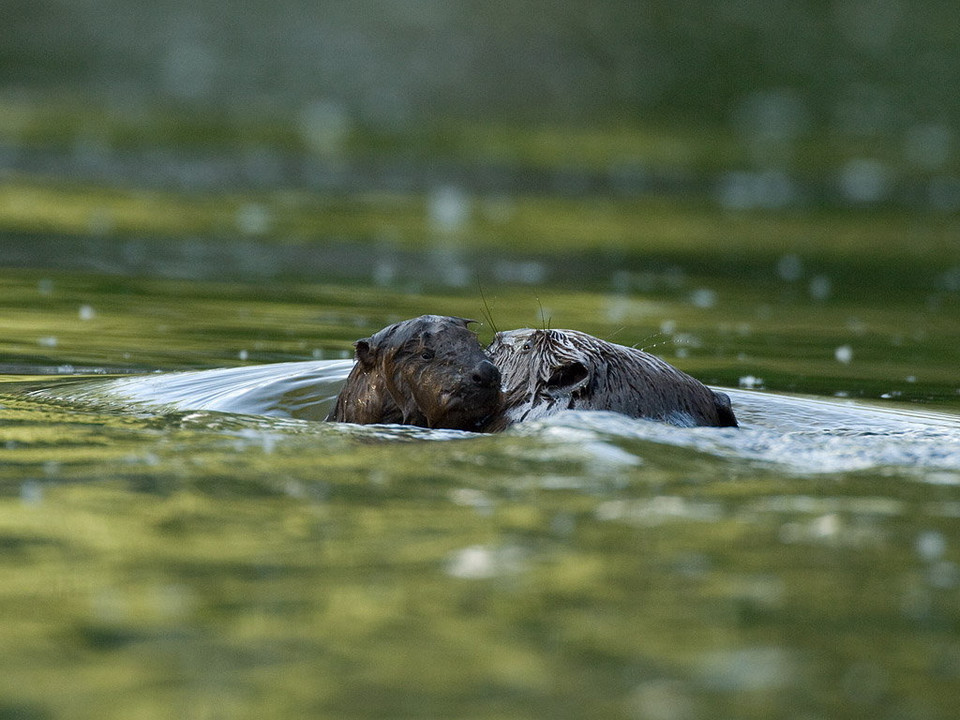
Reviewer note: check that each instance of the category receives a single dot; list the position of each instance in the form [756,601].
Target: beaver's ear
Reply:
[570,377]
[365,353]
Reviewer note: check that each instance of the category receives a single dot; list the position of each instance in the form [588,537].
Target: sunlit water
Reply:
[223,542]
[201,544]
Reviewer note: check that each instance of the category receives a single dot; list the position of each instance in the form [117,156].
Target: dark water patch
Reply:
[112,638]
[26,711]
[253,571]
[24,544]
[826,277]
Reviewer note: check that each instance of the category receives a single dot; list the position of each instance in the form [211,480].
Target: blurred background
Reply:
[744,103]
[763,192]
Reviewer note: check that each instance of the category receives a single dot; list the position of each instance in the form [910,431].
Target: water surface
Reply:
[203,206]
[181,536]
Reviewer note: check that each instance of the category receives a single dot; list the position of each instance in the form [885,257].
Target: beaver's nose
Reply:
[485,374]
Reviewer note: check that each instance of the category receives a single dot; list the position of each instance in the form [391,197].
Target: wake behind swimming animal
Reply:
[547,371]
[429,371]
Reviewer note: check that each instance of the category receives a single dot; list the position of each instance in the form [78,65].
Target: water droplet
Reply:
[790,268]
[325,126]
[931,545]
[478,562]
[254,219]
[749,190]
[825,526]
[748,669]
[661,700]
[448,208]
[820,287]
[528,272]
[864,180]
[31,493]
[703,298]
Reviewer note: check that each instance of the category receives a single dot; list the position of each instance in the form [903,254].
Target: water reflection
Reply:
[587,562]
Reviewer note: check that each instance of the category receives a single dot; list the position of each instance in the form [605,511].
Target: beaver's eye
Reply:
[427,354]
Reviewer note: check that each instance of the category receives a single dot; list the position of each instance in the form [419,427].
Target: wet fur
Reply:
[429,371]
[547,371]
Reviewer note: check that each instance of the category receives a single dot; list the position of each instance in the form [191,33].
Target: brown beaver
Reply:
[546,371]
[429,371]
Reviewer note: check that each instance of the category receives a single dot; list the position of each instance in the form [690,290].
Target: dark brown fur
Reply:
[429,371]
[546,371]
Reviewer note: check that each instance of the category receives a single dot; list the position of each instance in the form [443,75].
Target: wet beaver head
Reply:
[428,371]
[546,371]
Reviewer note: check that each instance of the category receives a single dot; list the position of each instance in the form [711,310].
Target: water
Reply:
[801,434]
[201,210]
[202,207]
[181,536]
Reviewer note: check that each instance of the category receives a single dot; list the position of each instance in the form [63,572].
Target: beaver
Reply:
[546,371]
[429,371]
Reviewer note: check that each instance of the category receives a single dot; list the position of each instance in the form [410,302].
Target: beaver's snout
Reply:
[485,375]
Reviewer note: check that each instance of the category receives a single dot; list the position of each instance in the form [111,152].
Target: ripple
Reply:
[801,434]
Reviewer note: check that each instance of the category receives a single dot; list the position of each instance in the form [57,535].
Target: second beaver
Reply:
[546,371]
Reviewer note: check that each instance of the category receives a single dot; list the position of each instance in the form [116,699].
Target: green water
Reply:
[766,197]
[202,564]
